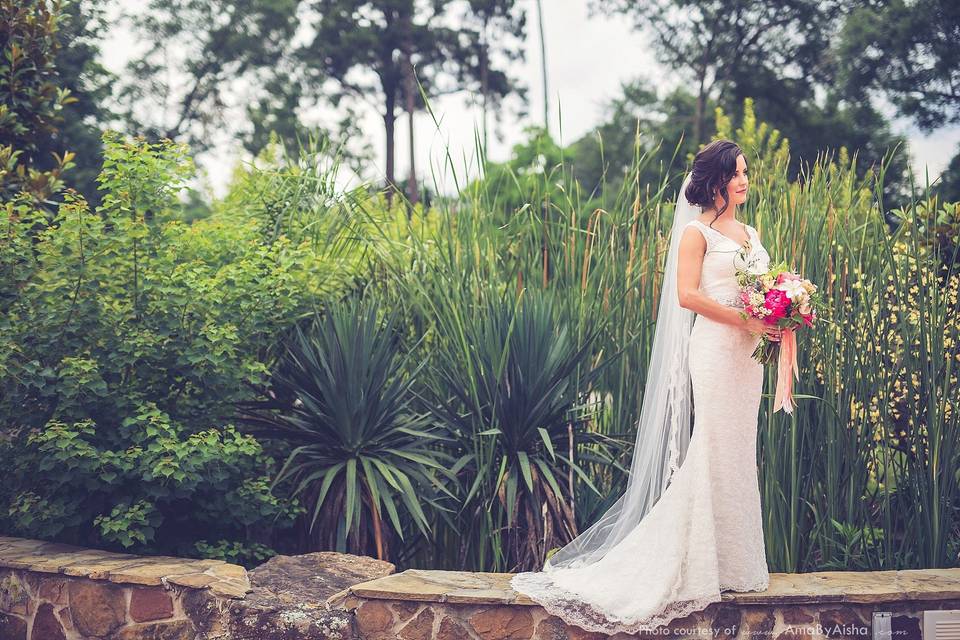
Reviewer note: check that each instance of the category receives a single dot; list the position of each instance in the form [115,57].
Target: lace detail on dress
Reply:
[730,300]
[572,610]
[675,421]
[759,585]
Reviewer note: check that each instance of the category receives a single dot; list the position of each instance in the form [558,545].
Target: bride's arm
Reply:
[692,248]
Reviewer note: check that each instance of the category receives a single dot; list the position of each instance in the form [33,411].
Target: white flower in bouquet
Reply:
[793,288]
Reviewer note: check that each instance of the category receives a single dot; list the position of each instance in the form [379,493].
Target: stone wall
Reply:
[59,592]
[56,592]
[421,605]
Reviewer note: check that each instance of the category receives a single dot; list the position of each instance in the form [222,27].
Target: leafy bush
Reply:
[126,338]
[31,100]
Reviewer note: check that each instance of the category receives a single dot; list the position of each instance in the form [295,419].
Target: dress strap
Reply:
[712,239]
[719,237]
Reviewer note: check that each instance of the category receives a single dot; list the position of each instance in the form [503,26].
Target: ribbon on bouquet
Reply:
[786,370]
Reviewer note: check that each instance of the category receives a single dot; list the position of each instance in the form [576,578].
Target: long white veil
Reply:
[663,432]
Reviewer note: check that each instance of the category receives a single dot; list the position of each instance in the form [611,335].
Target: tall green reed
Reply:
[862,475]
[848,480]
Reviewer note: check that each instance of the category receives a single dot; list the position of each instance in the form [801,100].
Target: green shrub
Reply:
[31,100]
[126,338]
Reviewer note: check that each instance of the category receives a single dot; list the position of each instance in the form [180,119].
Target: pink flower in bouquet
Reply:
[777,302]
[776,295]
[808,318]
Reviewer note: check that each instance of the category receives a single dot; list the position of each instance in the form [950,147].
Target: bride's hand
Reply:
[758,326]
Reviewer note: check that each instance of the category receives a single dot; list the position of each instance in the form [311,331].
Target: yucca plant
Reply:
[510,383]
[360,457]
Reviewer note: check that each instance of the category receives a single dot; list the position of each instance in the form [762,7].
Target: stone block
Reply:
[576,633]
[173,630]
[193,580]
[756,623]
[13,546]
[204,611]
[406,610]
[461,587]
[503,623]
[420,628]
[795,633]
[844,622]
[151,572]
[235,589]
[694,626]
[46,625]
[452,629]
[374,616]
[551,628]
[797,615]
[12,627]
[725,623]
[98,569]
[147,605]
[66,620]
[14,595]
[228,572]
[33,582]
[53,590]
[97,609]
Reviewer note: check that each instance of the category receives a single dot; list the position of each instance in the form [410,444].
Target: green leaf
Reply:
[525,469]
[351,504]
[545,436]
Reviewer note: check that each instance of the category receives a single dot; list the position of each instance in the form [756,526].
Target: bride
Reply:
[682,532]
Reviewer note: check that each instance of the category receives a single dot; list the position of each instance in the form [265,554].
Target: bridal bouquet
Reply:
[783,299]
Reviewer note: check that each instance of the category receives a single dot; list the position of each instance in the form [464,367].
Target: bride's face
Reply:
[737,187]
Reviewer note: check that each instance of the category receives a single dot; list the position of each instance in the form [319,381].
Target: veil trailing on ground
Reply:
[663,432]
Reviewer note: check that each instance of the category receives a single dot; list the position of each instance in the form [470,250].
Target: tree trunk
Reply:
[701,106]
[390,121]
[409,89]
[484,79]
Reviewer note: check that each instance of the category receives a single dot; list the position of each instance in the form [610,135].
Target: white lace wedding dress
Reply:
[704,534]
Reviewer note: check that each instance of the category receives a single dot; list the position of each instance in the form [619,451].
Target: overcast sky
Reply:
[587,60]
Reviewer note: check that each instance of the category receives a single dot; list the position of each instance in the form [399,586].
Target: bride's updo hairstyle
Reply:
[713,167]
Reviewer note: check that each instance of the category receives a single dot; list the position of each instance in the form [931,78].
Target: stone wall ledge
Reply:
[860,587]
[221,578]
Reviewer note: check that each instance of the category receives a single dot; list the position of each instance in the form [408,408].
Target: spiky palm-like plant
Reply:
[360,458]
[510,384]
